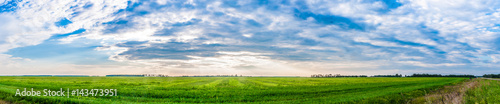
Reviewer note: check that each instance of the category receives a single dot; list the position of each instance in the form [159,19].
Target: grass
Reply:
[453,94]
[487,92]
[228,89]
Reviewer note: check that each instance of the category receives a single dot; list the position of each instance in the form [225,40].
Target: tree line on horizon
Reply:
[399,75]
[491,75]
[439,75]
[335,75]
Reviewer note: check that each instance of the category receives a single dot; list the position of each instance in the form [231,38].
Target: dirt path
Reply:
[448,95]
[4,102]
[492,79]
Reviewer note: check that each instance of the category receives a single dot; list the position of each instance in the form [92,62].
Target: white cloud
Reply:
[248,63]
[34,21]
[351,8]
[3,1]
[418,63]
[248,35]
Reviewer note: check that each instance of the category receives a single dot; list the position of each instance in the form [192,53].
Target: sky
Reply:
[249,37]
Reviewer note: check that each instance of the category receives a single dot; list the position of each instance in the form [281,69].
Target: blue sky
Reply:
[249,37]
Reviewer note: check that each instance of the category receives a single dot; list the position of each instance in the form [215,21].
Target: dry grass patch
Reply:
[4,102]
[448,95]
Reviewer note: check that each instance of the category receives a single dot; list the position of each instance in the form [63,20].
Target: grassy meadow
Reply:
[227,89]
[487,92]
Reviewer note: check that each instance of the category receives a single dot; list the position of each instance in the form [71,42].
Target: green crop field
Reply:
[227,89]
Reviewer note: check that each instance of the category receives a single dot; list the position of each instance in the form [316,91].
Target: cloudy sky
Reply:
[249,37]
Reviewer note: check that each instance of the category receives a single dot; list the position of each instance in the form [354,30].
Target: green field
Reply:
[488,92]
[227,89]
